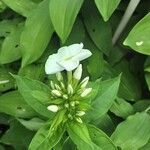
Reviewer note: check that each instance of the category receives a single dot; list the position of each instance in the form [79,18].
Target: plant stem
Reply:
[125,19]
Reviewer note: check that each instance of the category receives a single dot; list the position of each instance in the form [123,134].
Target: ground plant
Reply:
[74,75]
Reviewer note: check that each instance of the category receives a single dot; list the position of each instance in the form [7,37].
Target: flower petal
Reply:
[51,65]
[70,51]
[69,65]
[82,55]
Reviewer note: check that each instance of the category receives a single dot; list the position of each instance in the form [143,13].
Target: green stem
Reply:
[69,75]
[125,19]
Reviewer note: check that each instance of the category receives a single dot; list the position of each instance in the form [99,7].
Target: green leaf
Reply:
[12,103]
[146,147]
[141,105]
[6,80]
[133,133]
[63,14]
[100,138]
[25,87]
[22,7]
[106,7]
[130,88]
[36,34]
[99,31]
[17,136]
[6,26]
[41,96]
[96,58]
[122,108]
[107,93]
[43,141]
[80,136]
[11,50]
[33,124]
[33,71]
[139,39]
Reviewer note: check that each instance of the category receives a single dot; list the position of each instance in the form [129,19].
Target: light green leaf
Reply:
[122,108]
[99,31]
[25,86]
[106,7]
[6,80]
[43,141]
[139,39]
[37,33]
[33,71]
[12,103]
[33,124]
[11,50]
[100,138]
[22,7]
[133,133]
[107,93]
[80,136]
[63,14]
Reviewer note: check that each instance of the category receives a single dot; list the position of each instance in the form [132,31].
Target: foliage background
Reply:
[31,30]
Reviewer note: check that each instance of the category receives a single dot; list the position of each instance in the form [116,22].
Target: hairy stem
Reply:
[125,19]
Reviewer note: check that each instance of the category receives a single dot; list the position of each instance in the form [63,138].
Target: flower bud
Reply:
[56,93]
[62,85]
[52,85]
[57,87]
[79,120]
[78,73]
[84,82]
[80,113]
[70,89]
[65,96]
[53,108]
[59,76]
[72,103]
[86,92]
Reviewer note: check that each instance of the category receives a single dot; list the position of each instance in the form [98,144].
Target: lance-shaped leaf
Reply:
[25,87]
[12,103]
[132,133]
[11,50]
[37,33]
[63,14]
[100,138]
[107,93]
[139,39]
[99,31]
[22,7]
[106,7]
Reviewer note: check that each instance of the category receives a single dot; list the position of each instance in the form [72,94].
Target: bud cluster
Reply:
[69,95]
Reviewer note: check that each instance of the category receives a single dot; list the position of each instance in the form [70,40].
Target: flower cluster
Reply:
[69,94]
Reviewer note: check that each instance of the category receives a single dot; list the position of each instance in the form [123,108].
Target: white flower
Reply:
[53,108]
[78,73]
[67,58]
